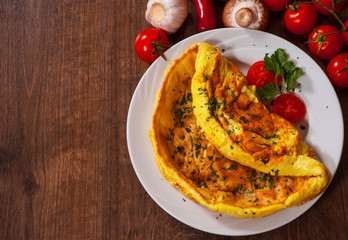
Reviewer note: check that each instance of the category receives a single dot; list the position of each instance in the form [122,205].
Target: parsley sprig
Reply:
[278,64]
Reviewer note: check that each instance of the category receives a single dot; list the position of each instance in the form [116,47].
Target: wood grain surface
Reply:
[68,70]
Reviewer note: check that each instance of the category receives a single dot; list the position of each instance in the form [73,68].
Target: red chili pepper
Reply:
[205,15]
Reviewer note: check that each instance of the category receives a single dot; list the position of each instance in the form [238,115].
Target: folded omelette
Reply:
[220,146]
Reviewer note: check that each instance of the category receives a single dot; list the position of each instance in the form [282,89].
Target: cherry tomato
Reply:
[150,44]
[257,75]
[300,18]
[325,47]
[289,106]
[205,15]
[276,5]
[328,4]
[337,70]
[345,34]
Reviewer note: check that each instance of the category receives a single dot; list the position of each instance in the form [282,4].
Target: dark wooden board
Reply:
[68,70]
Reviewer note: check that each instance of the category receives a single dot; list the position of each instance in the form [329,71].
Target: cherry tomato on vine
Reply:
[337,70]
[289,106]
[150,44]
[325,47]
[276,5]
[339,4]
[257,75]
[300,18]
[345,34]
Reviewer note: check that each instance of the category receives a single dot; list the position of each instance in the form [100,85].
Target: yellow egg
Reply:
[222,148]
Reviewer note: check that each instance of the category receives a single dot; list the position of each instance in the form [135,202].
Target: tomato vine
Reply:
[333,13]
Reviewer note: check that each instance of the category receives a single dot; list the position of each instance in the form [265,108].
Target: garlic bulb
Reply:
[167,15]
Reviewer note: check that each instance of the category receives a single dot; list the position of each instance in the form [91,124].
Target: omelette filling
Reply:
[222,179]
[253,128]
[250,125]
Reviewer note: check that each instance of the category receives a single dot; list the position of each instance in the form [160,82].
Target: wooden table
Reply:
[68,71]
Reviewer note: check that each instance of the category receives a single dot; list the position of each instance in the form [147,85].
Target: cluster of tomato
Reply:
[325,41]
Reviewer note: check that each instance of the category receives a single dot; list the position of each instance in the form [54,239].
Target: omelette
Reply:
[220,146]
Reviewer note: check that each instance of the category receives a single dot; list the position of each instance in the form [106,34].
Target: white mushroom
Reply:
[167,15]
[251,14]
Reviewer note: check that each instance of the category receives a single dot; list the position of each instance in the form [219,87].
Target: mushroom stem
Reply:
[244,17]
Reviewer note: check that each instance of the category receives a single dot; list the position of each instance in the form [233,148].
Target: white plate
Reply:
[243,47]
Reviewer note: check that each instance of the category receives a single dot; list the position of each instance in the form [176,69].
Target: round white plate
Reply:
[243,47]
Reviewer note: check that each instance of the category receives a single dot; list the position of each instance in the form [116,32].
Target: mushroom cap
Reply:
[251,14]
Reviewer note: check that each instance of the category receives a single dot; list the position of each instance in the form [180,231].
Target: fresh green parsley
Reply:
[233,166]
[278,64]
[212,171]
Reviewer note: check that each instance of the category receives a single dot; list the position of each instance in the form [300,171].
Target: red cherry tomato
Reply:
[325,48]
[337,70]
[345,34]
[257,75]
[276,5]
[150,44]
[205,15]
[289,106]
[300,18]
[328,4]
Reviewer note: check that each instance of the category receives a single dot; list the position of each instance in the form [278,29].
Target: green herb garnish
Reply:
[278,64]
[212,171]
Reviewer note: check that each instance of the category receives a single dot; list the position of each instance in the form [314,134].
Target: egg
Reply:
[220,146]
